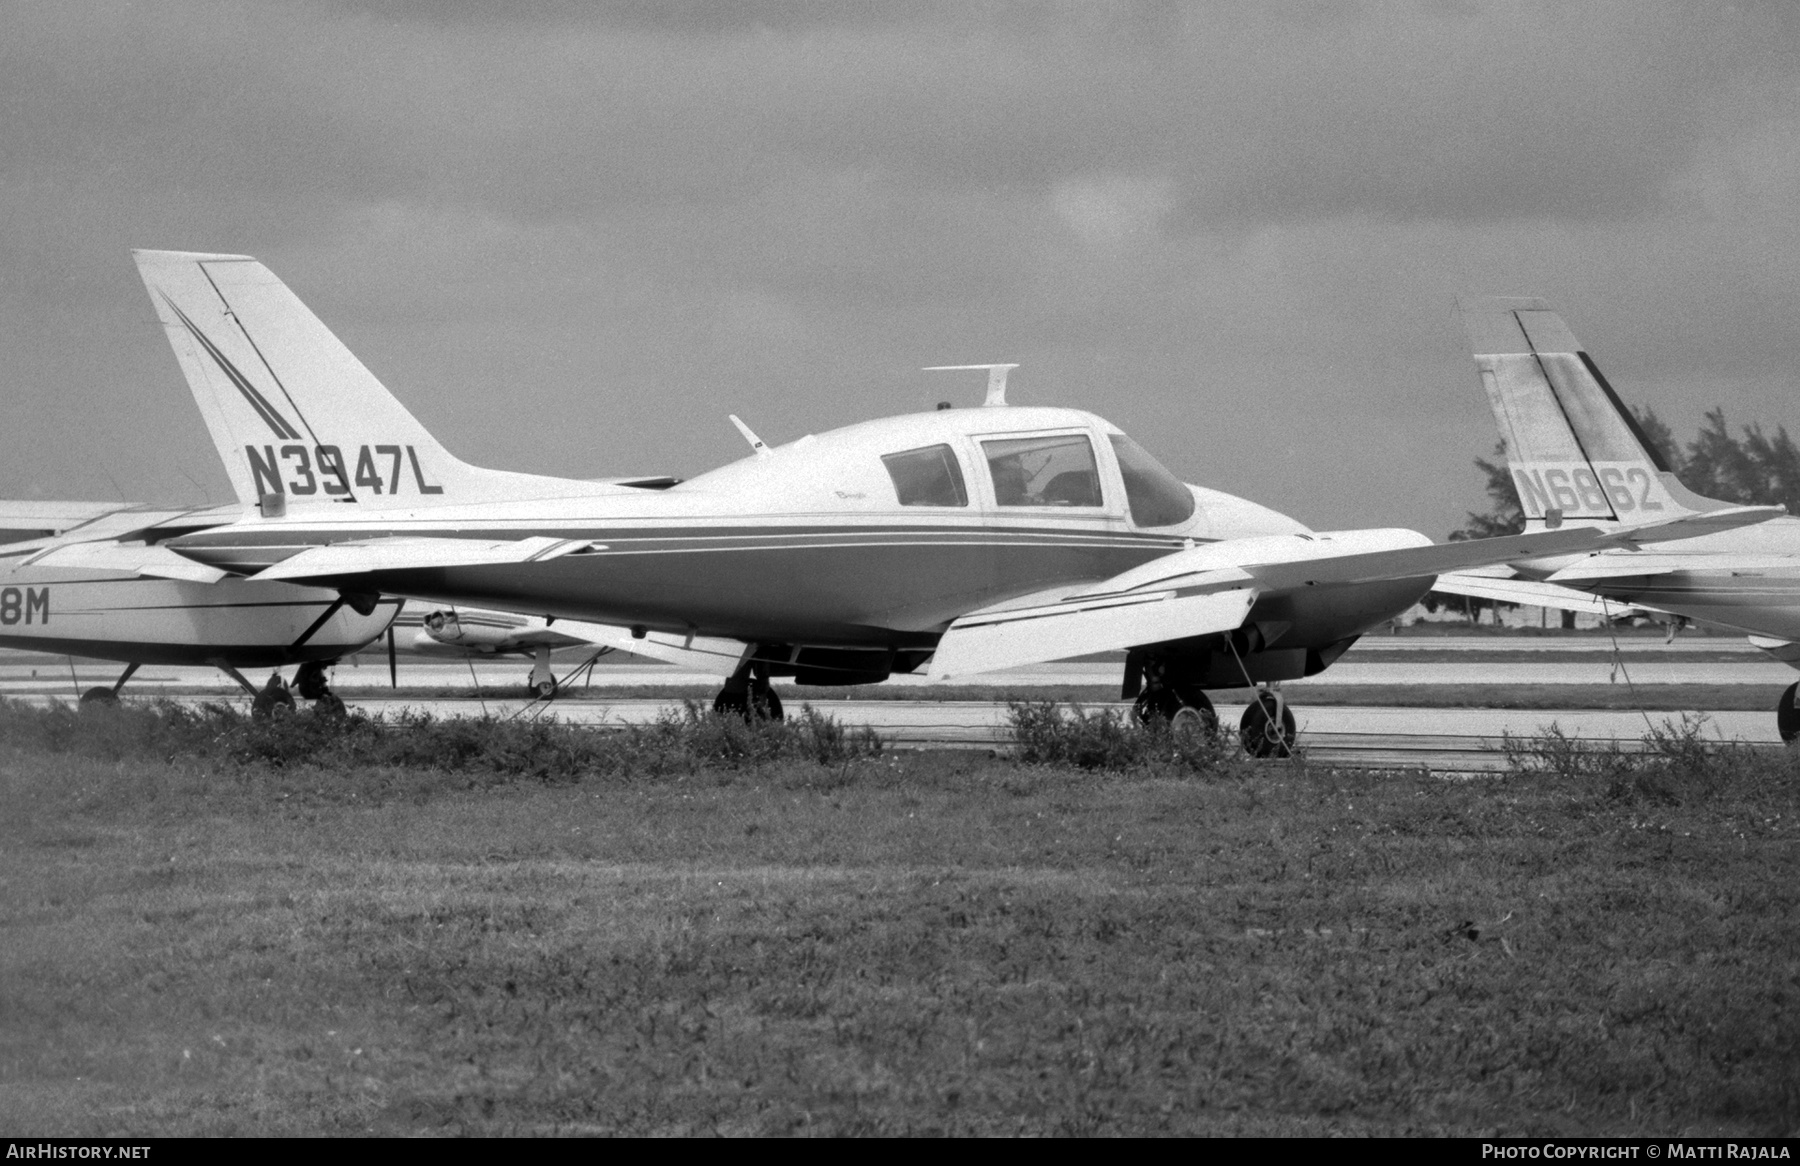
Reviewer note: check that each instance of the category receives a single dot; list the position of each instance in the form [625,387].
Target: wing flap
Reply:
[982,642]
[407,554]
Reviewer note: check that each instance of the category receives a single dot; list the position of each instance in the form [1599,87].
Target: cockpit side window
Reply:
[927,477]
[1043,471]
[1156,497]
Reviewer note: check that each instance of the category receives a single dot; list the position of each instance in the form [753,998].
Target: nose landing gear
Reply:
[542,683]
[1267,728]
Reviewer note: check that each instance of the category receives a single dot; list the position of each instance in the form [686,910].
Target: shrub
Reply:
[1109,740]
[684,741]
[1673,763]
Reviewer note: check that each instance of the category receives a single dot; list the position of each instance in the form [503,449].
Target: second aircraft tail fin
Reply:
[1574,450]
[294,413]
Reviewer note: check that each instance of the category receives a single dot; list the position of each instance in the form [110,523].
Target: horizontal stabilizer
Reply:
[411,554]
[150,562]
[26,520]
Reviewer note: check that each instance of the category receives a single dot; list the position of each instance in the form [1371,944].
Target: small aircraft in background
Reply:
[961,540]
[1577,455]
[86,579]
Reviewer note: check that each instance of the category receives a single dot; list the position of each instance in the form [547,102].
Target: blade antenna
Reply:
[756,443]
[996,385]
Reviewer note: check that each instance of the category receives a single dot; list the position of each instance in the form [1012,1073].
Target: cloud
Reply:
[1236,226]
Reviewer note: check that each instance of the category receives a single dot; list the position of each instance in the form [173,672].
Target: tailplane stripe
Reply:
[254,399]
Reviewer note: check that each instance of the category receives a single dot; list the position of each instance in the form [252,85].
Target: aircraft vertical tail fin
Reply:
[1574,450]
[295,415]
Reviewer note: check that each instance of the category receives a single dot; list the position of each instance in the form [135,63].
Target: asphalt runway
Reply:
[1457,739]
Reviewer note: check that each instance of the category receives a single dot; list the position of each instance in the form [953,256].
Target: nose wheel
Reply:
[542,683]
[1267,728]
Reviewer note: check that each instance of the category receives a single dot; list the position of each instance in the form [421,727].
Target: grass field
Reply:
[199,936]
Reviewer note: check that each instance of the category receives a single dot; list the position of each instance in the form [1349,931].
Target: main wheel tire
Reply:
[541,689]
[309,680]
[100,696]
[766,704]
[1787,717]
[1196,717]
[272,703]
[758,702]
[330,705]
[1185,710]
[1156,704]
[1262,732]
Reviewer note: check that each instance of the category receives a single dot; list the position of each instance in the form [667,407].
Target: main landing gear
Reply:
[277,699]
[1266,730]
[1184,709]
[748,694]
[105,695]
[1787,717]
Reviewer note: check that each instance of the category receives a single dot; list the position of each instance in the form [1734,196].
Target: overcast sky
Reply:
[571,237]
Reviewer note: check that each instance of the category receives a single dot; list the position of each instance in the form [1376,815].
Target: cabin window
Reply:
[1156,497]
[1043,471]
[927,477]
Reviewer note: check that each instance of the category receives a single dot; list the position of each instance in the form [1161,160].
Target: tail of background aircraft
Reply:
[1575,451]
[295,415]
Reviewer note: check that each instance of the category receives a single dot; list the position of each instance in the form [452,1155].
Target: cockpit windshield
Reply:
[1055,470]
[1156,497]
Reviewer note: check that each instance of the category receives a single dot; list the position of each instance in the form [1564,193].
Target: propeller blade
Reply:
[393,662]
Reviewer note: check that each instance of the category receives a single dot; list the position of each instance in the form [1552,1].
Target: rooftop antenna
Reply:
[996,394]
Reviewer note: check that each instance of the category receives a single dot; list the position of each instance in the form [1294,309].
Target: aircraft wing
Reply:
[153,562]
[405,554]
[1200,590]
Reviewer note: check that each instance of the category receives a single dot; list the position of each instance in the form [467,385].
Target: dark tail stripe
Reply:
[254,399]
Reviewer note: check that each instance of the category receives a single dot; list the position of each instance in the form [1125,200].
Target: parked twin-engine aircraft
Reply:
[86,579]
[963,540]
[1577,455]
